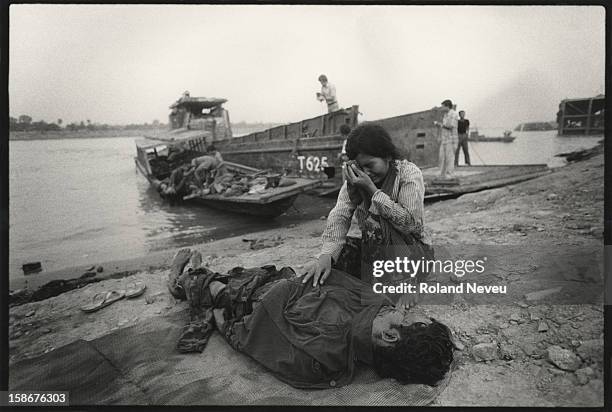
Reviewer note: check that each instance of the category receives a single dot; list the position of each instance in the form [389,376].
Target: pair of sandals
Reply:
[103,299]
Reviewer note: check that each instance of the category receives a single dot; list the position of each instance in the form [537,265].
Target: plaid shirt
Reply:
[403,209]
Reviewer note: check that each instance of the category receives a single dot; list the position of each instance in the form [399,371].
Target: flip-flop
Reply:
[103,299]
[135,289]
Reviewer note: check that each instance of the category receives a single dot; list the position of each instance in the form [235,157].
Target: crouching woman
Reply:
[386,195]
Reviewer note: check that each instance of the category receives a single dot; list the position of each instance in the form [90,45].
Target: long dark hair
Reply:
[371,139]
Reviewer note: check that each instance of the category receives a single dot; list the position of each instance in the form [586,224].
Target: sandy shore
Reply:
[508,355]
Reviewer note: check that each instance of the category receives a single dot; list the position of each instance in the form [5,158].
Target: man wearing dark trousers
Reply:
[463,130]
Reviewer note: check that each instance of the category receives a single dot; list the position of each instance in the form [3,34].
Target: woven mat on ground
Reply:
[140,365]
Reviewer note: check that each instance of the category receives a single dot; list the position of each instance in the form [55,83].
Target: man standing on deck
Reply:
[448,140]
[463,131]
[328,93]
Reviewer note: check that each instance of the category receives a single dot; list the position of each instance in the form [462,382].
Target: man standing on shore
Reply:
[463,131]
[448,140]
[328,93]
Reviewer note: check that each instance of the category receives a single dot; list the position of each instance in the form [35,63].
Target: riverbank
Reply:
[529,351]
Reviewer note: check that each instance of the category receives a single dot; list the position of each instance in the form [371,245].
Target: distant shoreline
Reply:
[239,130]
[81,134]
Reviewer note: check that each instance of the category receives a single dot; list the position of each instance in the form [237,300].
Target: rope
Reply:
[476,151]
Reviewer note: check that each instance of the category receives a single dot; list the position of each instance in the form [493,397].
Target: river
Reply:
[81,201]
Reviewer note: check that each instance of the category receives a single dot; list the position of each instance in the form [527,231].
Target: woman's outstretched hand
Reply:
[317,269]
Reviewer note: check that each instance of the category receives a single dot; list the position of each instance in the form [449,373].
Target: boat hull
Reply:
[284,150]
[269,205]
[311,149]
[268,210]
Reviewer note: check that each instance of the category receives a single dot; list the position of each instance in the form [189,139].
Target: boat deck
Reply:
[270,195]
[271,202]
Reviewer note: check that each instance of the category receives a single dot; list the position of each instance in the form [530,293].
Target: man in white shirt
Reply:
[448,140]
[328,93]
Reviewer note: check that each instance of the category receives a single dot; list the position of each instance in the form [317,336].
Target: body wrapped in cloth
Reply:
[309,337]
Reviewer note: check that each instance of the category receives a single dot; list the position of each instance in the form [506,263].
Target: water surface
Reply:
[81,201]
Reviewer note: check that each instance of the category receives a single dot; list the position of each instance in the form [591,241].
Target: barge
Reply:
[476,137]
[311,148]
[581,116]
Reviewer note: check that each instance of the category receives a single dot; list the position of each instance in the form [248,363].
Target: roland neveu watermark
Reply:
[406,267]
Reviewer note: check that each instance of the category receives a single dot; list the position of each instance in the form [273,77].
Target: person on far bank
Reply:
[463,131]
[386,195]
[328,94]
[448,140]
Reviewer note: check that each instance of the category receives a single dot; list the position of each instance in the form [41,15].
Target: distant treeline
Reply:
[24,123]
[24,128]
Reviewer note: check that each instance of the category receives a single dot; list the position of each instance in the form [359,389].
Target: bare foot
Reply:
[179,261]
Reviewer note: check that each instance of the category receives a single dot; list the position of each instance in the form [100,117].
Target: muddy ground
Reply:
[542,349]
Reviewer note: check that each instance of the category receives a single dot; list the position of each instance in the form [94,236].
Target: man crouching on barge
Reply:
[308,336]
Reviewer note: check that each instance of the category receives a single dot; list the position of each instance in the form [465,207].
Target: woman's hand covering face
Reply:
[357,177]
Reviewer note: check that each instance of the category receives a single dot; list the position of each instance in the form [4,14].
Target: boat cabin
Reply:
[204,114]
[581,116]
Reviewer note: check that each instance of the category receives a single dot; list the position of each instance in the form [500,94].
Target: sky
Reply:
[120,64]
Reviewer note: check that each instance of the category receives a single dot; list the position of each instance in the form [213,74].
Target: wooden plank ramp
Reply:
[476,178]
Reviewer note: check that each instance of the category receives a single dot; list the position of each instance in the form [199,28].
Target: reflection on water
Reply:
[81,201]
[171,226]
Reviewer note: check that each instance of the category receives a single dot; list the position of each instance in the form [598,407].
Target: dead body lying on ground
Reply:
[308,337]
